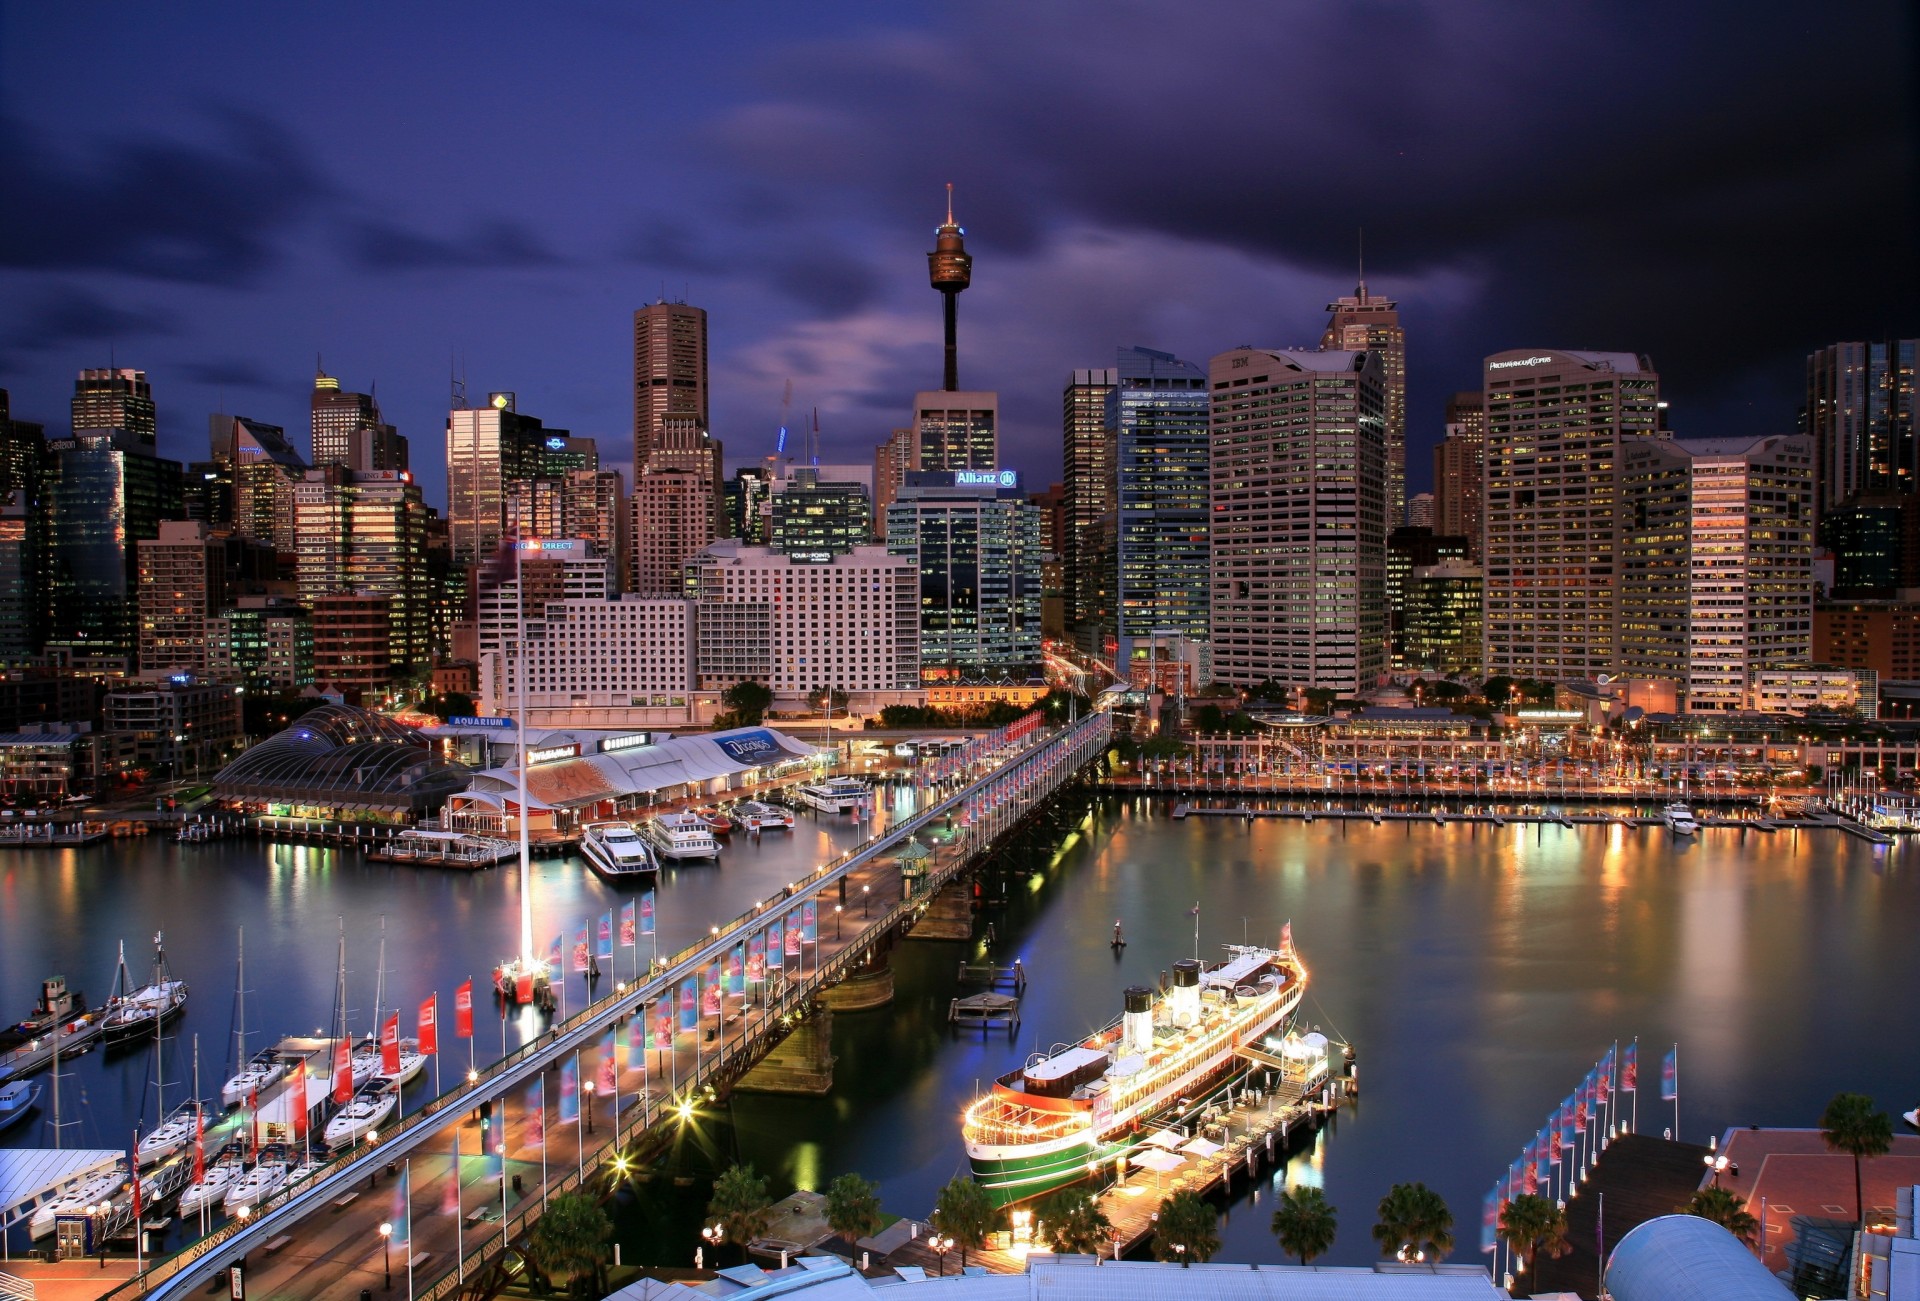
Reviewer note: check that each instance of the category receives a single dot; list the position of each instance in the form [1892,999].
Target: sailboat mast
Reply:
[520,675]
[56,1078]
[240,997]
[380,982]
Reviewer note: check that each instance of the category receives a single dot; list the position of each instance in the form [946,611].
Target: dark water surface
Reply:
[1478,972]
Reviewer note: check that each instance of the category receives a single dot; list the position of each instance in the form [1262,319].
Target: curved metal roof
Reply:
[1686,1258]
[340,755]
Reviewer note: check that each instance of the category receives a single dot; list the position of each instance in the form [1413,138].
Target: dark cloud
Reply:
[233,372]
[207,213]
[61,317]
[495,245]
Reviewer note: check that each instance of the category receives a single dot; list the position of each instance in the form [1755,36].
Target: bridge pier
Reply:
[868,985]
[949,914]
[802,1063]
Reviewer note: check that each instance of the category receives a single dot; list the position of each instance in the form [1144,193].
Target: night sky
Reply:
[216,193]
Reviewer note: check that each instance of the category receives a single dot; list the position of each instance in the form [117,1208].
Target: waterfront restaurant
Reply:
[337,764]
[577,778]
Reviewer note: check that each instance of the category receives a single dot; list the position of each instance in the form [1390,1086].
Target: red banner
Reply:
[429,1030]
[342,1072]
[253,1121]
[199,1144]
[297,1092]
[1024,725]
[463,1011]
[390,1046]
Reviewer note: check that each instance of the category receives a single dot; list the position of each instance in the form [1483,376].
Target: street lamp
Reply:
[715,1234]
[865,899]
[941,1246]
[386,1256]
[837,910]
[586,1094]
[1717,1162]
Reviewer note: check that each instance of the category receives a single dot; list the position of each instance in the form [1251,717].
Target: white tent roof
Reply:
[1200,1147]
[1154,1159]
[1162,1138]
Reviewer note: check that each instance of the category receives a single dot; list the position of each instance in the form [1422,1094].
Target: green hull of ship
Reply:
[1020,1179]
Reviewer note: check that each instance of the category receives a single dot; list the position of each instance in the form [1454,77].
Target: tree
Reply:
[453,704]
[853,1207]
[1531,1224]
[1209,720]
[1186,1229]
[747,701]
[741,1206]
[571,1237]
[1445,691]
[1414,1224]
[1495,690]
[1074,1223]
[965,1213]
[1304,1224]
[1272,692]
[1725,1208]
[1320,699]
[1851,1125]
[819,698]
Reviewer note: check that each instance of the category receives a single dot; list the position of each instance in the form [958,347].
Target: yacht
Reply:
[755,816]
[367,1062]
[170,1135]
[266,1068]
[681,836]
[368,1109]
[268,1176]
[75,1201]
[1679,819]
[615,851]
[135,1011]
[220,1174]
[834,794]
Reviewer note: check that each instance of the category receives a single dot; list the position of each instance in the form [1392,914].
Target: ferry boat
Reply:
[1068,1113]
[266,1069]
[366,1110]
[134,1011]
[615,851]
[834,794]
[680,836]
[1680,820]
[755,816]
[16,1100]
[221,1172]
[170,1135]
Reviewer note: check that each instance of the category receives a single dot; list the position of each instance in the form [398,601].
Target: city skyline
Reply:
[219,244]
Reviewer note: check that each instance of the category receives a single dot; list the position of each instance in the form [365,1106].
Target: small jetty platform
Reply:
[985,1011]
[1502,817]
[53,835]
[995,976]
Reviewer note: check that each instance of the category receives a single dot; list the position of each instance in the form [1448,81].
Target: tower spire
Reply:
[951,270]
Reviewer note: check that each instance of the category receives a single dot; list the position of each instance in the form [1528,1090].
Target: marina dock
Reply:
[1504,816]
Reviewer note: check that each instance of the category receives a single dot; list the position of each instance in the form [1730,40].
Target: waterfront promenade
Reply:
[326,1240]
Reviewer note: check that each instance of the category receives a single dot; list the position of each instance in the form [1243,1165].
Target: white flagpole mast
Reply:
[1634,1124]
[436,1043]
[1676,1093]
[411,1253]
[459,1213]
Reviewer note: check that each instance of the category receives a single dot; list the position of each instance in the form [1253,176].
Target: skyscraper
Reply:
[956,430]
[362,534]
[1556,422]
[263,468]
[347,429]
[488,446]
[1162,468]
[183,580]
[1420,509]
[1459,472]
[1088,452]
[23,445]
[816,519]
[1363,322]
[669,371]
[1859,412]
[115,399]
[978,544]
[1299,518]
[891,461]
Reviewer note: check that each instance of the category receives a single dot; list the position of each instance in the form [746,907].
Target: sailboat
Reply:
[368,1049]
[266,1066]
[131,1011]
[177,1129]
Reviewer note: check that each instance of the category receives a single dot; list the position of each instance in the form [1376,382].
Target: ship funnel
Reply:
[1136,1029]
[1183,1000]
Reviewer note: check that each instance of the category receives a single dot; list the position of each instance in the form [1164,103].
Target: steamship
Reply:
[1065,1114]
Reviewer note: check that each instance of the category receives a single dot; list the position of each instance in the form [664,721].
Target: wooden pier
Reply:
[995,976]
[985,1011]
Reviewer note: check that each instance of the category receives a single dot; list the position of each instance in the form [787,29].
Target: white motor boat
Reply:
[682,836]
[616,852]
[834,794]
[266,1068]
[171,1135]
[755,816]
[305,1170]
[268,1176]
[219,1175]
[1679,819]
[90,1192]
[367,1057]
[366,1110]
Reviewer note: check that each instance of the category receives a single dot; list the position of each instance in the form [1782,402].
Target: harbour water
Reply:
[1477,970]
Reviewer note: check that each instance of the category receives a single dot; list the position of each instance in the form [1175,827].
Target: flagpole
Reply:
[579,1131]
[636,939]
[471,1068]
[1676,1092]
[436,1043]
[407,1183]
[1634,1125]
[543,1145]
[1613,1079]
[459,1214]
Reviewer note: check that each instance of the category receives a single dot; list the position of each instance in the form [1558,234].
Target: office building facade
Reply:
[488,447]
[1163,459]
[1859,411]
[1089,453]
[1556,422]
[262,643]
[106,492]
[1364,322]
[1299,518]
[619,659]
[977,543]
[956,430]
[1444,619]
[363,533]
[347,430]
[813,520]
[669,371]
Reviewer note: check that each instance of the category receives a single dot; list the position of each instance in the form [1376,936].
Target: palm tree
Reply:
[853,1207]
[1531,1224]
[1186,1229]
[1075,1224]
[1415,1224]
[965,1213]
[1851,1125]
[571,1237]
[1725,1208]
[741,1205]
[1304,1224]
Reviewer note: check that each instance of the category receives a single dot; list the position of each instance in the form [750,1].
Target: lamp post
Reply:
[714,1234]
[386,1255]
[865,900]
[941,1245]
[1717,1162]
[586,1102]
[837,910]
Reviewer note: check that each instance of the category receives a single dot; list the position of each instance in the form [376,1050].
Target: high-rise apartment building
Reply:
[1460,471]
[1163,458]
[347,429]
[669,371]
[1556,422]
[852,623]
[1364,322]
[1089,453]
[977,541]
[1420,509]
[183,580]
[956,430]
[1717,563]
[23,445]
[1299,518]
[1859,411]
[891,461]
[362,533]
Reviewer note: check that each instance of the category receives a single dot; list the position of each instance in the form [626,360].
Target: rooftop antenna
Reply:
[459,381]
[813,443]
[1360,234]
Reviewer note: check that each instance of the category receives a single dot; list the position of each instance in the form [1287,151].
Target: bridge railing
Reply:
[274,1214]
